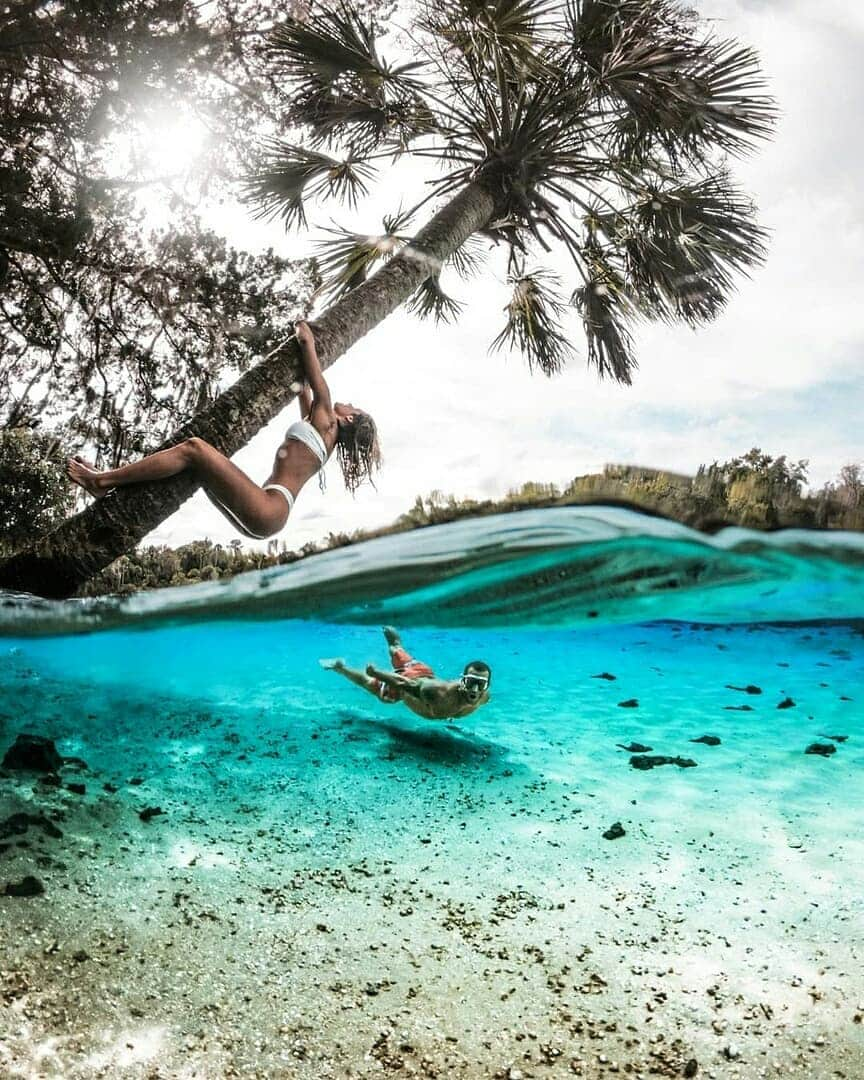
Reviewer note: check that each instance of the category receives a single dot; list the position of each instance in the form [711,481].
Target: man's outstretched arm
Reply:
[356,677]
[398,682]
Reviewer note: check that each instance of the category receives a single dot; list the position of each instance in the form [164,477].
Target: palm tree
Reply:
[600,128]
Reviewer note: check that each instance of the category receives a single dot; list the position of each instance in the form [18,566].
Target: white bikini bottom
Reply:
[289,498]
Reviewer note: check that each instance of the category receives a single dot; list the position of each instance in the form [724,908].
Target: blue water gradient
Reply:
[550,599]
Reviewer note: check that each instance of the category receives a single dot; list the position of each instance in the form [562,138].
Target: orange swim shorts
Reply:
[403,664]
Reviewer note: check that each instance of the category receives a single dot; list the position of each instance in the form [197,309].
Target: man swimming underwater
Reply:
[415,683]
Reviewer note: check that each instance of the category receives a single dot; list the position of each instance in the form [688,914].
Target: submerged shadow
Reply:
[440,745]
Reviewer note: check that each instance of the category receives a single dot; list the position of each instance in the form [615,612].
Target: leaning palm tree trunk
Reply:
[58,564]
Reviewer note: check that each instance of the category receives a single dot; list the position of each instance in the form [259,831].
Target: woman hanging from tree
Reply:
[260,511]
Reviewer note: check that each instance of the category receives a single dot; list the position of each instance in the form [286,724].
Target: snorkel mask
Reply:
[474,683]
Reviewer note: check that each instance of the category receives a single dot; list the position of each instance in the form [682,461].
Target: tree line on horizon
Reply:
[755,490]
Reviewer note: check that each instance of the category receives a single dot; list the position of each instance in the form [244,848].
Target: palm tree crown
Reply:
[601,127]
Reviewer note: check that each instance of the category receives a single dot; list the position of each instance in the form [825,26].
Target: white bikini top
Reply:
[304,432]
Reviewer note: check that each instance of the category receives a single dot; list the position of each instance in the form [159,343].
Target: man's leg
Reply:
[398,656]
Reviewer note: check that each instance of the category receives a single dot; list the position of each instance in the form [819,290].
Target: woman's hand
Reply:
[304,334]
[312,371]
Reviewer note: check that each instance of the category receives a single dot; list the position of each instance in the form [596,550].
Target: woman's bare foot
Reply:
[86,477]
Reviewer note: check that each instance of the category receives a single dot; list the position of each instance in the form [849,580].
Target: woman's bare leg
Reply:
[261,512]
[158,466]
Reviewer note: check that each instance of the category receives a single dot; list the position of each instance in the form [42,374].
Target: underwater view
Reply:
[643,856]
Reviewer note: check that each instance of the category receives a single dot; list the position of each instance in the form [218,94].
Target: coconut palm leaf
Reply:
[534,322]
[676,91]
[606,305]
[339,85]
[684,243]
[289,174]
[511,33]
[430,299]
[346,259]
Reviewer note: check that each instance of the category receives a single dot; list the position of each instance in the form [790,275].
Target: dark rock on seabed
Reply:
[27,886]
[614,832]
[646,761]
[786,703]
[748,689]
[630,703]
[605,675]
[708,740]
[835,738]
[17,824]
[33,753]
[823,749]
[635,748]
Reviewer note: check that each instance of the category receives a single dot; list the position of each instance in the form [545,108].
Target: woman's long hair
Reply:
[358,450]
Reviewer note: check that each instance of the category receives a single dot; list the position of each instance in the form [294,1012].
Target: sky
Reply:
[780,369]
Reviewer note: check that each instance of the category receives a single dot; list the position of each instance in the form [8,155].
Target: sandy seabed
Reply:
[363,897]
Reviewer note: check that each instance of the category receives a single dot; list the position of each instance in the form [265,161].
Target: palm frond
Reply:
[430,299]
[468,259]
[683,244]
[340,85]
[675,91]
[728,104]
[328,42]
[289,174]
[346,259]
[606,305]
[510,32]
[534,322]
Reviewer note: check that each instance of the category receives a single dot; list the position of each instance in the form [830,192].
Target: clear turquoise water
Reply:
[214,698]
[549,599]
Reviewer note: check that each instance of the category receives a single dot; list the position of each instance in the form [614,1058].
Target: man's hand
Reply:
[335,664]
[372,671]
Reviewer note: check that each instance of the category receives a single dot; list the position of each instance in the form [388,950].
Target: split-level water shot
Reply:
[432,552]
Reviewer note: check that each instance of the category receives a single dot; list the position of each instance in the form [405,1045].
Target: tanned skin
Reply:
[427,696]
[262,513]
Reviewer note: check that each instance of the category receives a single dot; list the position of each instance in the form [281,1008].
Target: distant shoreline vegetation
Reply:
[755,491]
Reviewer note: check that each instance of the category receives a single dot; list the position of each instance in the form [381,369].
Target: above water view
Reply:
[643,856]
